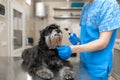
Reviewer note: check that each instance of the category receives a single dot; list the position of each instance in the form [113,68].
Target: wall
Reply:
[28,22]
[4,30]
[69,23]
[29,17]
[118,1]
[116,67]
[118,34]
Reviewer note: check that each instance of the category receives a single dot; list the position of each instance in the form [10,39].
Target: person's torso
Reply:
[96,62]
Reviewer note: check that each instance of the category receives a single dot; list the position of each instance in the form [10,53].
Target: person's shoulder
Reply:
[105,1]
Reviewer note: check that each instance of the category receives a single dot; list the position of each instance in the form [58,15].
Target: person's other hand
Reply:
[73,39]
[64,52]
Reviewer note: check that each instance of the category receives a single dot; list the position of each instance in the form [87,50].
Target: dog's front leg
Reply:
[40,71]
[66,73]
[45,73]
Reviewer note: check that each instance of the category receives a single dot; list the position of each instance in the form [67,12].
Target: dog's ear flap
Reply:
[41,31]
[55,25]
[52,26]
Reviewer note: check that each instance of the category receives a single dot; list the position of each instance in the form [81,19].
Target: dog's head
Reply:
[51,36]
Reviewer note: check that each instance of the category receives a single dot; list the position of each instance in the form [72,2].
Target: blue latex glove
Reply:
[73,39]
[64,52]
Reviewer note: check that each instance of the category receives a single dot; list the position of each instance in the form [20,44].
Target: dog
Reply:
[42,61]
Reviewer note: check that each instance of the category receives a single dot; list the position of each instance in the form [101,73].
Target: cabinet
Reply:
[117,42]
[67,13]
[116,66]
[116,57]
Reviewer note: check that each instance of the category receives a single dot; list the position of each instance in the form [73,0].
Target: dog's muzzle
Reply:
[54,39]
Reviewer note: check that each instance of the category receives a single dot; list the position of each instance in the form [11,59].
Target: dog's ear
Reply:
[55,25]
[52,26]
[24,53]
[41,32]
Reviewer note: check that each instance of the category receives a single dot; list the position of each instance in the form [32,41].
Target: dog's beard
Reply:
[54,39]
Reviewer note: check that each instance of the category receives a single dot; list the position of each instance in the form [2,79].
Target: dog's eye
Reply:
[48,32]
[58,31]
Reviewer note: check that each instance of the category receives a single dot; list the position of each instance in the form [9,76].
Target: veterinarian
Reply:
[99,22]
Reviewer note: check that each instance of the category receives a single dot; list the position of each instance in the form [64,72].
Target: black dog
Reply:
[42,61]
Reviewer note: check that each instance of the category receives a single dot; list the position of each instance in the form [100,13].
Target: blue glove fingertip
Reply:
[73,39]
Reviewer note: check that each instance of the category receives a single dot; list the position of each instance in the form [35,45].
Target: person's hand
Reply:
[64,52]
[73,39]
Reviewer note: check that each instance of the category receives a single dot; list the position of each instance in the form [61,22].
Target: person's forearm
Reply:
[92,46]
[95,45]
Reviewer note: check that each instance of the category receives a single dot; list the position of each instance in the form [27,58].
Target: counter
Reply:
[10,69]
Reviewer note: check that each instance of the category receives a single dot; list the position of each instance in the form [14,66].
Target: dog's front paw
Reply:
[45,74]
[67,74]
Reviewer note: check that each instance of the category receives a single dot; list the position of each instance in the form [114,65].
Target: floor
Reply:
[10,69]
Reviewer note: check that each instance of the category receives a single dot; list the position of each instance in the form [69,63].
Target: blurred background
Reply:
[21,21]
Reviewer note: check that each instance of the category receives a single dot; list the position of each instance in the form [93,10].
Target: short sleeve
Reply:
[110,16]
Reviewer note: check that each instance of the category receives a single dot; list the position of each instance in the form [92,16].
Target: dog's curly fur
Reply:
[42,61]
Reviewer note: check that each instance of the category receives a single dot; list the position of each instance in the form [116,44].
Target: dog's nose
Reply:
[58,31]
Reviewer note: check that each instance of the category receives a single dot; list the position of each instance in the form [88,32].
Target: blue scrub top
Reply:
[96,17]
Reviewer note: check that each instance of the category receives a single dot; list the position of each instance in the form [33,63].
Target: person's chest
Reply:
[91,15]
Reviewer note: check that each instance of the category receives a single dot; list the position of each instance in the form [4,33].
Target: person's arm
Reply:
[95,45]
[65,52]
